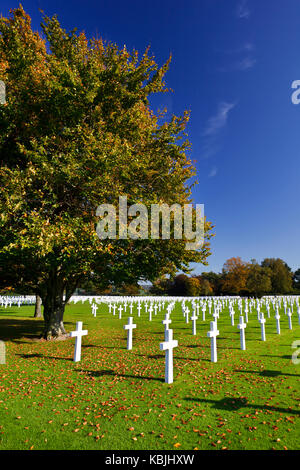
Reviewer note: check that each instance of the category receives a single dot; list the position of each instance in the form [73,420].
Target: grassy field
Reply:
[117,399]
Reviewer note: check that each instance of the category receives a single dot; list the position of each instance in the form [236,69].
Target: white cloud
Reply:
[242,10]
[249,46]
[219,120]
[213,172]
[246,64]
[215,124]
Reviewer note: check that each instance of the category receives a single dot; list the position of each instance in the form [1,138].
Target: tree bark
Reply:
[53,317]
[54,306]
[38,307]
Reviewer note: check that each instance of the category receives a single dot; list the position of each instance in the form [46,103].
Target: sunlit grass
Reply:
[117,399]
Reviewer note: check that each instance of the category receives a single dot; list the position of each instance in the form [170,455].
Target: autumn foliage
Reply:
[78,131]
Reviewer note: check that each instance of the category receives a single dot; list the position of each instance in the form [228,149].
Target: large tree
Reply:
[235,273]
[211,283]
[77,131]
[258,280]
[281,276]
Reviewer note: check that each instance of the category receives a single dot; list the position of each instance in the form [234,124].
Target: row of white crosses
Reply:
[217,306]
[169,344]
[9,300]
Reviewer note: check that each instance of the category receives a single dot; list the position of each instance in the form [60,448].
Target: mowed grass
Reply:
[117,399]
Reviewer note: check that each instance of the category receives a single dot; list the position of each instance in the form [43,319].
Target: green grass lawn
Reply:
[117,399]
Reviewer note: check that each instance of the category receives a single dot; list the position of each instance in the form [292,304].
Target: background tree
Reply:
[235,273]
[161,286]
[130,289]
[205,287]
[77,131]
[281,276]
[296,280]
[258,280]
[178,286]
[211,282]
[192,286]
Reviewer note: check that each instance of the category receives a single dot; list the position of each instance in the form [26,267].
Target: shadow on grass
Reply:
[266,373]
[101,373]
[14,329]
[233,404]
[41,356]
[281,357]
[197,359]
[152,356]
[98,346]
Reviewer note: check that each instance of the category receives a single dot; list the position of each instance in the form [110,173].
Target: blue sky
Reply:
[233,65]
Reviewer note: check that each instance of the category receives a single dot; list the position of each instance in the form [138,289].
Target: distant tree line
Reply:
[238,277]
[251,279]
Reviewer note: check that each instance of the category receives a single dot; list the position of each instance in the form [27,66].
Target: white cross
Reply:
[289,314]
[168,346]
[187,311]
[78,335]
[169,309]
[130,308]
[94,309]
[139,308]
[129,327]
[120,309]
[194,318]
[150,312]
[216,316]
[241,326]
[114,309]
[232,313]
[166,322]
[258,311]
[155,309]
[277,317]
[262,321]
[109,307]
[212,334]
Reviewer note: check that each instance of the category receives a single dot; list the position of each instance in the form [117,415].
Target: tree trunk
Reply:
[54,307]
[38,307]
[54,303]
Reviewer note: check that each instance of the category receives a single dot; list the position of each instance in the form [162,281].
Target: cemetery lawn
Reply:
[116,399]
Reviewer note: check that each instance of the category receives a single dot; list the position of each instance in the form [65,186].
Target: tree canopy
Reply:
[77,131]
